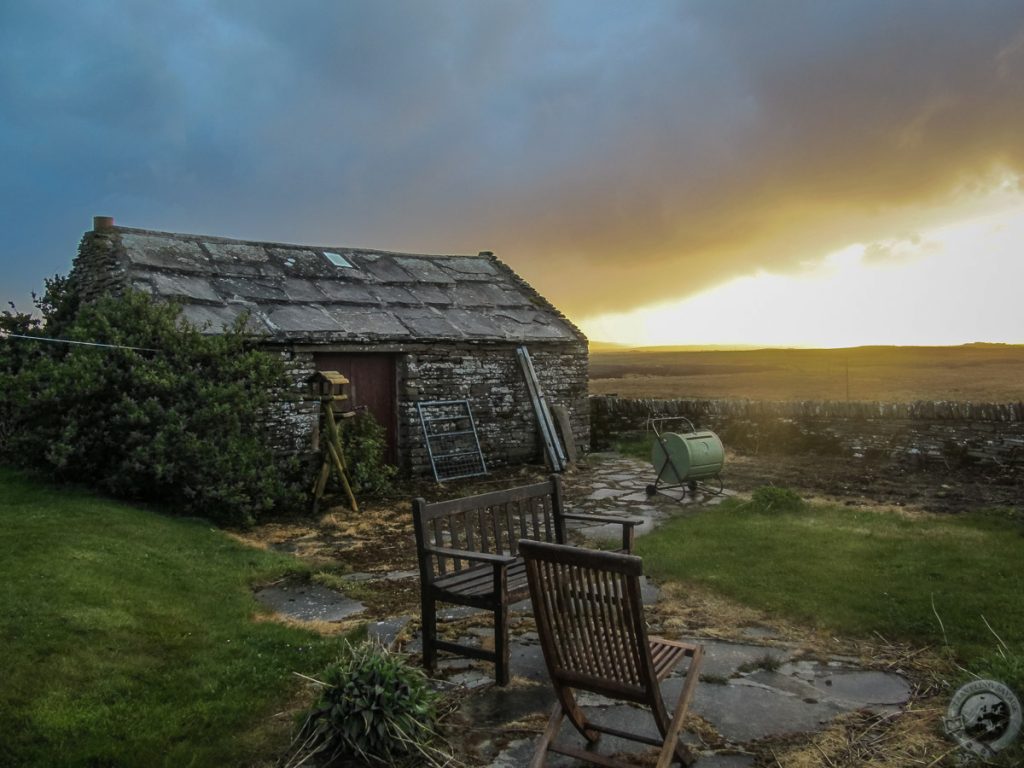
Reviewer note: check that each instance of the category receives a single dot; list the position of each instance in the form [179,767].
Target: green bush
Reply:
[364,442]
[372,707]
[179,425]
[770,498]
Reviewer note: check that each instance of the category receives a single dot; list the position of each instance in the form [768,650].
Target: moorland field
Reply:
[972,372]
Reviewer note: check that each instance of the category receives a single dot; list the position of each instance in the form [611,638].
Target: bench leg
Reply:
[429,616]
[502,658]
[501,649]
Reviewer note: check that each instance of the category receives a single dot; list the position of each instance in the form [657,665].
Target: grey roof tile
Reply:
[183,287]
[298,290]
[301,262]
[432,294]
[489,295]
[393,294]
[467,267]
[359,322]
[423,270]
[426,322]
[380,268]
[530,325]
[236,253]
[216,319]
[166,252]
[258,289]
[300,319]
[345,292]
[475,323]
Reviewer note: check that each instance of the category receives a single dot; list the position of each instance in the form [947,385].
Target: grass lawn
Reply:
[128,637]
[856,571]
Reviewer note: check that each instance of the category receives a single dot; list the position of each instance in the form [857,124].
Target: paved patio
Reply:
[749,690]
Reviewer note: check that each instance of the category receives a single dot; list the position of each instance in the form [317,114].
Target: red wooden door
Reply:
[373,385]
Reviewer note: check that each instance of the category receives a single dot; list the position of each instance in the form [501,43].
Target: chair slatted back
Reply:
[589,616]
[491,523]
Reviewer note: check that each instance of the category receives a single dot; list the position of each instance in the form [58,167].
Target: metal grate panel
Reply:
[452,441]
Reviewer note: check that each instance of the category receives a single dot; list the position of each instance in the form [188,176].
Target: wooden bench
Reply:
[469,555]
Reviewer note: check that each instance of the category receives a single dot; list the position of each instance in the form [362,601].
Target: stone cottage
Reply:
[404,328]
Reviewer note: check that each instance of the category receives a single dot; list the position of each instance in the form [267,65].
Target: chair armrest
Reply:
[465,554]
[629,521]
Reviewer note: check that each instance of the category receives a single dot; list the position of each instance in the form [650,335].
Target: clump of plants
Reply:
[161,411]
[372,707]
[770,498]
[364,442]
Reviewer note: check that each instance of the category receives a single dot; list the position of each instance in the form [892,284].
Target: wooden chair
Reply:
[591,624]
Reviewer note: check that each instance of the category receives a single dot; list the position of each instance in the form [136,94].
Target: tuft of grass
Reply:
[770,498]
[856,571]
[128,637]
[766,661]
[373,708]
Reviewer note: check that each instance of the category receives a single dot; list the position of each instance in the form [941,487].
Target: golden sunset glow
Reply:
[950,285]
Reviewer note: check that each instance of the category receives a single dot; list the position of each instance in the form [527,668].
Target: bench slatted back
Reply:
[492,523]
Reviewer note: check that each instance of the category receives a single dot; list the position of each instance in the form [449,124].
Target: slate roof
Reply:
[298,294]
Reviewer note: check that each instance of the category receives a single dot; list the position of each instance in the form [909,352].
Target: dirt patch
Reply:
[866,482]
[377,539]
[907,739]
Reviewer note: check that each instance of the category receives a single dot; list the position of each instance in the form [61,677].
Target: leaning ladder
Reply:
[552,447]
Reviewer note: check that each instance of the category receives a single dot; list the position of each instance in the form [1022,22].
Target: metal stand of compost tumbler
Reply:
[656,425]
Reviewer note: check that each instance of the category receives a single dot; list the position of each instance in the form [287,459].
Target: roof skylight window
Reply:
[338,260]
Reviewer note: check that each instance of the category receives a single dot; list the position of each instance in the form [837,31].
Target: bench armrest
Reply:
[465,554]
[628,521]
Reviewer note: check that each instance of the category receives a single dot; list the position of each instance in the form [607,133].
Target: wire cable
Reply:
[77,343]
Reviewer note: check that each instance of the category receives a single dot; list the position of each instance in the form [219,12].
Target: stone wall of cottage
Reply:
[488,376]
[918,433]
[294,418]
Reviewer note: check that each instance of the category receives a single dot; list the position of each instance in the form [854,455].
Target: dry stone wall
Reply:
[919,432]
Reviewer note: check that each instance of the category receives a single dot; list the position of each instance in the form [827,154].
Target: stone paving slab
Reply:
[741,711]
[308,602]
[723,660]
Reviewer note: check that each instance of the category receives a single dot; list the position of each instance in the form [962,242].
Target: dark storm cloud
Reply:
[613,153]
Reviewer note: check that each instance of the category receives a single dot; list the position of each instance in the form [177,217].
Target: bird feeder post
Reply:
[329,387]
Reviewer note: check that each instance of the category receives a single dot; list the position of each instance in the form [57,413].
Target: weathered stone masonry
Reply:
[919,432]
[488,376]
[493,383]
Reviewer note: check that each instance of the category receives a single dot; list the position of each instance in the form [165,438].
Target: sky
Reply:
[785,173]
